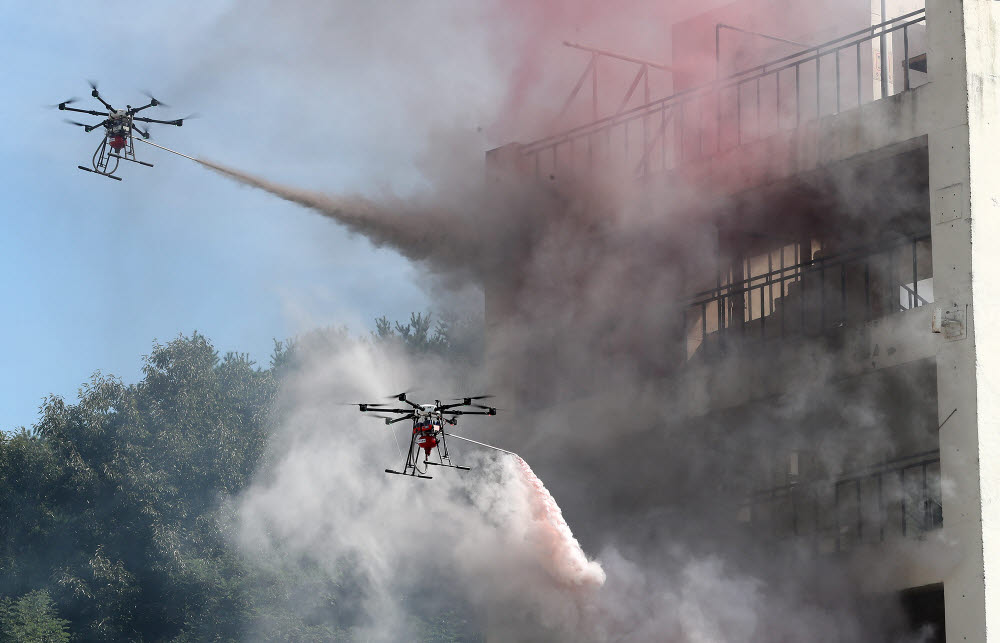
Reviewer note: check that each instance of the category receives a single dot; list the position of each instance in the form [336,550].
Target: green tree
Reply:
[123,520]
[120,506]
[452,337]
[32,618]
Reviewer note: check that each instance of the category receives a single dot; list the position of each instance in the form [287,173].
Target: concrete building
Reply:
[896,103]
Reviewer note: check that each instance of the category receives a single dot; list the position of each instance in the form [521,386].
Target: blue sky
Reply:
[93,270]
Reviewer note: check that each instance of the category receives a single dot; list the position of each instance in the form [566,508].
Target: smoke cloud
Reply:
[649,445]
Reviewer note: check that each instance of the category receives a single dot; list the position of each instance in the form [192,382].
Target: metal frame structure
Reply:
[718,41]
[659,135]
[102,156]
[641,75]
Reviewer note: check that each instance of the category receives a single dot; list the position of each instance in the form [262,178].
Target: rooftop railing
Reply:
[749,105]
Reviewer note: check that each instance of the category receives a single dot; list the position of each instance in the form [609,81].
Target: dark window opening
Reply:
[918,63]
[924,611]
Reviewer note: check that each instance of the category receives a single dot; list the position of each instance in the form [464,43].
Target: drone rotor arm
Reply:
[407,411]
[103,102]
[97,95]
[84,111]
[402,398]
[400,419]
[136,110]
[179,122]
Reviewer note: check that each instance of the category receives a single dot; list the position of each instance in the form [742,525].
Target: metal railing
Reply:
[745,106]
[812,297]
[895,499]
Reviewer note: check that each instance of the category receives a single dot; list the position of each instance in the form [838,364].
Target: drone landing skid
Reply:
[110,176]
[131,159]
[451,466]
[414,475]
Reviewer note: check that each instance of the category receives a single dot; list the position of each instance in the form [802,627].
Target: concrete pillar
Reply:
[965,190]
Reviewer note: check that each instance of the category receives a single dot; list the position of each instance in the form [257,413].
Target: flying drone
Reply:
[428,433]
[118,124]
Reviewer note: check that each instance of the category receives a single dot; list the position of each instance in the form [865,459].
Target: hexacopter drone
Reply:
[118,125]
[428,433]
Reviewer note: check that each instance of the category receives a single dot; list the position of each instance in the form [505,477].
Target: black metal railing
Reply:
[745,106]
[900,498]
[812,297]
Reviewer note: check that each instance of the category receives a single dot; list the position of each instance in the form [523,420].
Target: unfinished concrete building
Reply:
[863,215]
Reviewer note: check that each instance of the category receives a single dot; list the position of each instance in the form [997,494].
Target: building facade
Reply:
[863,213]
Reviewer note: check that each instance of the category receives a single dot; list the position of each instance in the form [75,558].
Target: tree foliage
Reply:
[32,618]
[116,506]
[449,336]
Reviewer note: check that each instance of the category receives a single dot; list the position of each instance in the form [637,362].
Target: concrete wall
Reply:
[963,171]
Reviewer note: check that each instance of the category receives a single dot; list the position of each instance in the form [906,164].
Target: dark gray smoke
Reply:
[649,453]
[600,401]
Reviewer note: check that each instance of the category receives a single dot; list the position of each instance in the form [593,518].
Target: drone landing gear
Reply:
[110,176]
[131,159]
[450,466]
[414,475]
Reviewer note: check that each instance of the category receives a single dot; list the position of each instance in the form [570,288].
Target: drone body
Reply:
[428,435]
[119,126]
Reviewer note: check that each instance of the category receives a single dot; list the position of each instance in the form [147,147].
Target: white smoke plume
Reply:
[492,536]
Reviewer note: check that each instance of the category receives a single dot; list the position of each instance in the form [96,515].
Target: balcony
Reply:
[782,296]
[897,499]
[751,105]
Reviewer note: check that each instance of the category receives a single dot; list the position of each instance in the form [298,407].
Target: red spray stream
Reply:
[562,556]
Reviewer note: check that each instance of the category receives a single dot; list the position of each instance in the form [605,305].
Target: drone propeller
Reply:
[468,400]
[145,134]
[381,417]
[155,101]
[179,122]
[63,104]
[402,398]
[66,120]
[93,84]
[379,407]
